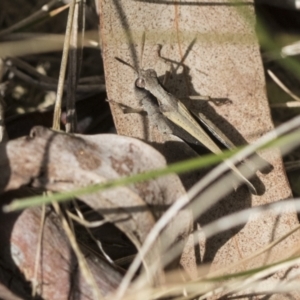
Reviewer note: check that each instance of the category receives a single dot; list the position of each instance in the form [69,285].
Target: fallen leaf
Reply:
[60,162]
[214,51]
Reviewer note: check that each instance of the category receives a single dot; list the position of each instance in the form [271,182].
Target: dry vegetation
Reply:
[90,214]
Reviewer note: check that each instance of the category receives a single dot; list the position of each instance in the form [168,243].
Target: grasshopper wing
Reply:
[256,164]
[182,117]
[214,130]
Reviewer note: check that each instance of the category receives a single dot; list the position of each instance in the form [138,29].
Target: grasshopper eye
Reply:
[152,73]
[140,83]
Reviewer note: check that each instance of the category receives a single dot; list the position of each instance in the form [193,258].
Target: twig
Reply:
[73,69]
[283,87]
[35,282]
[36,16]
[3,133]
[81,260]
[63,67]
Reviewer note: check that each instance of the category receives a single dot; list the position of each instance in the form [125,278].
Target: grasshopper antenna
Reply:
[141,57]
[126,63]
[138,71]
[143,48]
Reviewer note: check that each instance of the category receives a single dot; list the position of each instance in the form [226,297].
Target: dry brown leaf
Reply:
[57,260]
[58,275]
[216,42]
[61,162]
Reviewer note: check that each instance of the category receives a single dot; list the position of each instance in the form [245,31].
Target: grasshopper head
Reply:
[145,77]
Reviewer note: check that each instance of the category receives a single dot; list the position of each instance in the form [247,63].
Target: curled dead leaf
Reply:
[61,162]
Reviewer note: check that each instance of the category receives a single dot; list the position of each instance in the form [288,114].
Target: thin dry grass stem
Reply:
[232,221]
[291,50]
[239,218]
[3,134]
[74,66]
[235,285]
[279,287]
[200,98]
[98,243]
[250,284]
[15,63]
[2,72]
[285,89]
[252,281]
[124,260]
[91,84]
[201,206]
[175,290]
[84,222]
[63,67]
[36,16]
[263,249]
[289,104]
[164,221]
[292,165]
[37,43]
[214,192]
[35,282]
[80,257]
[57,11]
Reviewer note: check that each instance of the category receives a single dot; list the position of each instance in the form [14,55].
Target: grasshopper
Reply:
[175,111]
